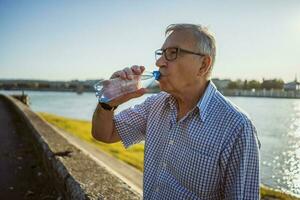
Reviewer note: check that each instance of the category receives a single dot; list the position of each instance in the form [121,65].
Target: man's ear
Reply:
[205,65]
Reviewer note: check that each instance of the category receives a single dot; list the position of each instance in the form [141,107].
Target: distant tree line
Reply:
[87,85]
[254,84]
[73,85]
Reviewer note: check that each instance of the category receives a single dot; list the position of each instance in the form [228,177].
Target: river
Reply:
[277,122]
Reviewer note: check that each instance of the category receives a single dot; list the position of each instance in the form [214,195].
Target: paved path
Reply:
[22,175]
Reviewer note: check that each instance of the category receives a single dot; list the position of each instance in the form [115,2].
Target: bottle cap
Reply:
[156,75]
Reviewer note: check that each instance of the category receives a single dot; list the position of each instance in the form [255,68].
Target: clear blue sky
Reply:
[64,39]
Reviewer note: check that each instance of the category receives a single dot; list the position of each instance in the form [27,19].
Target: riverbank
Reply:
[295,94]
[65,162]
[134,156]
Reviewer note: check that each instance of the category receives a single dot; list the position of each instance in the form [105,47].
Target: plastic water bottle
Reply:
[110,89]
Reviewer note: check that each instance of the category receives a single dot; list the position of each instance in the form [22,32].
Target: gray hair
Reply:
[206,43]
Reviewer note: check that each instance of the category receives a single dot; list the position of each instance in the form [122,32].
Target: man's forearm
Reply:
[103,126]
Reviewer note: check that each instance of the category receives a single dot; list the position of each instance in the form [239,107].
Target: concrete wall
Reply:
[76,174]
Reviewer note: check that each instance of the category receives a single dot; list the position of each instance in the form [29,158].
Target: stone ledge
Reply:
[76,175]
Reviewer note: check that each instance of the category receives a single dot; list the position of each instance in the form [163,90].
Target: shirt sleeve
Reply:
[240,165]
[131,123]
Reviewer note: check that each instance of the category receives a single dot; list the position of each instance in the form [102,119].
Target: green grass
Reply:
[269,192]
[134,156]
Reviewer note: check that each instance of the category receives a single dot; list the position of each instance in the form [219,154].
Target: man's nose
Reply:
[161,61]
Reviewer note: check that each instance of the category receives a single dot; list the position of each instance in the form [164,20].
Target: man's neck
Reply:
[189,99]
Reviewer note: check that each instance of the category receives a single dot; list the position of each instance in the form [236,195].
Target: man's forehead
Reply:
[180,38]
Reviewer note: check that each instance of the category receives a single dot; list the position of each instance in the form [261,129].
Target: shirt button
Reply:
[171,142]
[164,165]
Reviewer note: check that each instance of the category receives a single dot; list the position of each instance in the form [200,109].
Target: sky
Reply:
[67,40]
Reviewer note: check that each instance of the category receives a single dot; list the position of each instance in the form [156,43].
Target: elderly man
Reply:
[198,145]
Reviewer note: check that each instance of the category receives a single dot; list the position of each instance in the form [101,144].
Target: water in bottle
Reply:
[110,89]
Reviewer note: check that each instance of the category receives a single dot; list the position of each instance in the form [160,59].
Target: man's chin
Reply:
[162,78]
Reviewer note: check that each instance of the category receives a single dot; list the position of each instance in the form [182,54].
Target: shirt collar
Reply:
[202,104]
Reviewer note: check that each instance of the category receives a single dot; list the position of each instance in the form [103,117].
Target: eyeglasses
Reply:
[171,53]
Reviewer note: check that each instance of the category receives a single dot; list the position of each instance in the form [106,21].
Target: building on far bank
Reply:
[292,86]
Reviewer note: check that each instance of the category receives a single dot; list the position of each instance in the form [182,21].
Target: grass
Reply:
[277,194]
[134,156]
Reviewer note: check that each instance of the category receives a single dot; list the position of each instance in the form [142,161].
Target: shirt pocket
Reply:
[197,169]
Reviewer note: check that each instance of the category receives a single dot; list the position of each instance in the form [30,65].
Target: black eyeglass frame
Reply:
[162,52]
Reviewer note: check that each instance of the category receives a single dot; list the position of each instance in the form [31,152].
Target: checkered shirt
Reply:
[211,153]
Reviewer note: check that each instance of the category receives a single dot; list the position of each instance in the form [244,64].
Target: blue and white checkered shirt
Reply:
[211,153]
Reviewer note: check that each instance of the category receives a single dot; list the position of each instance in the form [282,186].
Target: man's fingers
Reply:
[138,69]
[128,73]
[120,74]
[142,69]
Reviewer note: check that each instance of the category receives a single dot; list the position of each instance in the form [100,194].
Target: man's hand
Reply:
[127,74]
[103,128]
